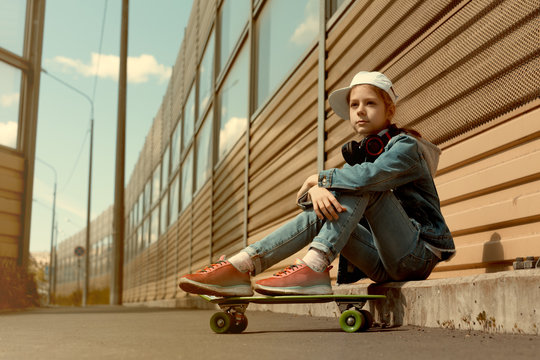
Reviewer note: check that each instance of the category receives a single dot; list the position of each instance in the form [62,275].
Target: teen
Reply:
[388,182]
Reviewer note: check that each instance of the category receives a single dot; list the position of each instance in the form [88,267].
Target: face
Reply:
[367,111]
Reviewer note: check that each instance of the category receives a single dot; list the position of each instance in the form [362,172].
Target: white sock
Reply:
[316,260]
[242,261]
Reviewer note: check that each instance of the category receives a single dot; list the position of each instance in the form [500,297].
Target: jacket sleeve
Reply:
[399,164]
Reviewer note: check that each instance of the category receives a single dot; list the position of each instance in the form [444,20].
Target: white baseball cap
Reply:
[338,99]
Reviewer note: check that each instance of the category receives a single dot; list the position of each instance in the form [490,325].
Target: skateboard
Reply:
[233,319]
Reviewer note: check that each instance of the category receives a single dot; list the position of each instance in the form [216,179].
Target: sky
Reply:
[71,52]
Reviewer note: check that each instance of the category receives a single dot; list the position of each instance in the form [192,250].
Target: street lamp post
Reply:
[51,259]
[87,244]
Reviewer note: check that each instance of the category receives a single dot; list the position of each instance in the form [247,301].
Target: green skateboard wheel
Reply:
[351,320]
[368,320]
[220,322]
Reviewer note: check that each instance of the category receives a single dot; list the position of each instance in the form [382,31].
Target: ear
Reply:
[390,112]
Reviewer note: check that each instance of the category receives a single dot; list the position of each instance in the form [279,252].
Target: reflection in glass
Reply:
[234,16]
[10,85]
[206,74]
[154,228]
[285,30]
[145,234]
[234,98]
[163,215]
[173,200]
[187,180]
[165,166]
[140,207]
[175,148]
[147,197]
[12,19]
[156,184]
[204,152]
[189,118]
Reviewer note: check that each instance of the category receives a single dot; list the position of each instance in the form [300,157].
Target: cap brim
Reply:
[338,102]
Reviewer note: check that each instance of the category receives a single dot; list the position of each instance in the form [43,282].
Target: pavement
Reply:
[122,332]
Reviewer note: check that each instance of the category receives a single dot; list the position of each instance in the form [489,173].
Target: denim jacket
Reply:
[406,167]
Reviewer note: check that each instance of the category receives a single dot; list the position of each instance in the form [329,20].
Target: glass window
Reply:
[146,232]
[173,200]
[234,95]
[234,15]
[204,152]
[154,225]
[12,23]
[140,240]
[147,196]
[140,208]
[165,167]
[206,75]
[285,30]
[189,118]
[156,184]
[175,149]
[10,86]
[187,181]
[163,222]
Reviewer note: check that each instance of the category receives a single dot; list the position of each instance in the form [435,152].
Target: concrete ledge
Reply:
[503,302]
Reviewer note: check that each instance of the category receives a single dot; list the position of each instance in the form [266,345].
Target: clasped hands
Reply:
[324,202]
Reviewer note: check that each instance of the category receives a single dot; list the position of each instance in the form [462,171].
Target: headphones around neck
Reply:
[369,148]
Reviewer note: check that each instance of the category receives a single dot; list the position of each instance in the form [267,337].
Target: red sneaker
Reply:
[219,279]
[297,279]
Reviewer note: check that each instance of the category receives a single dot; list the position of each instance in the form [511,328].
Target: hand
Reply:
[308,184]
[325,203]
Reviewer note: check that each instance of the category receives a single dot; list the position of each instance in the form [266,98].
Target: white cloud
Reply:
[8,100]
[230,134]
[8,133]
[307,30]
[140,68]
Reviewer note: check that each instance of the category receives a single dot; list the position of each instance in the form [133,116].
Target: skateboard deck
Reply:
[233,319]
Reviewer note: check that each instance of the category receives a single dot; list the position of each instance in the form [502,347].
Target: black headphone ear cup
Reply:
[352,153]
[374,146]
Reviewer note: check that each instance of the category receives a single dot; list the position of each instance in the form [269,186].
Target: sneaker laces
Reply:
[211,267]
[288,270]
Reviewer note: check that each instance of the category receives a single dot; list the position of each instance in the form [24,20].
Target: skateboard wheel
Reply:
[240,323]
[351,321]
[368,320]
[220,322]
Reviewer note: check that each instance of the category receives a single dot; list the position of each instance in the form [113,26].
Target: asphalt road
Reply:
[144,333]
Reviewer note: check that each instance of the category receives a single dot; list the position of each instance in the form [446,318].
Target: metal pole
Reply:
[118,271]
[51,267]
[87,243]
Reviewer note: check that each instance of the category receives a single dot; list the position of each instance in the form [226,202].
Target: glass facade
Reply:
[187,181]
[234,15]
[285,29]
[174,197]
[234,95]
[165,169]
[156,184]
[164,219]
[175,149]
[204,152]
[206,76]
[189,118]
[12,23]
[9,104]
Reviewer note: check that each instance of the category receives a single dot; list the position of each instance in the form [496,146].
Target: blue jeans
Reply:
[392,251]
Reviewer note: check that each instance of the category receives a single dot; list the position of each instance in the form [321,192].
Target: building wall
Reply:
[467,76]
[20,64]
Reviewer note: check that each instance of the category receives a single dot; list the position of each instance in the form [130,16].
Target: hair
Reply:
[389,106]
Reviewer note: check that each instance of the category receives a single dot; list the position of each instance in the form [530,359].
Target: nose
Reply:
[360,109]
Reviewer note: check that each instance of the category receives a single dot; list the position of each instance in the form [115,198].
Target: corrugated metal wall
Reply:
[467,75]
[11,199]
